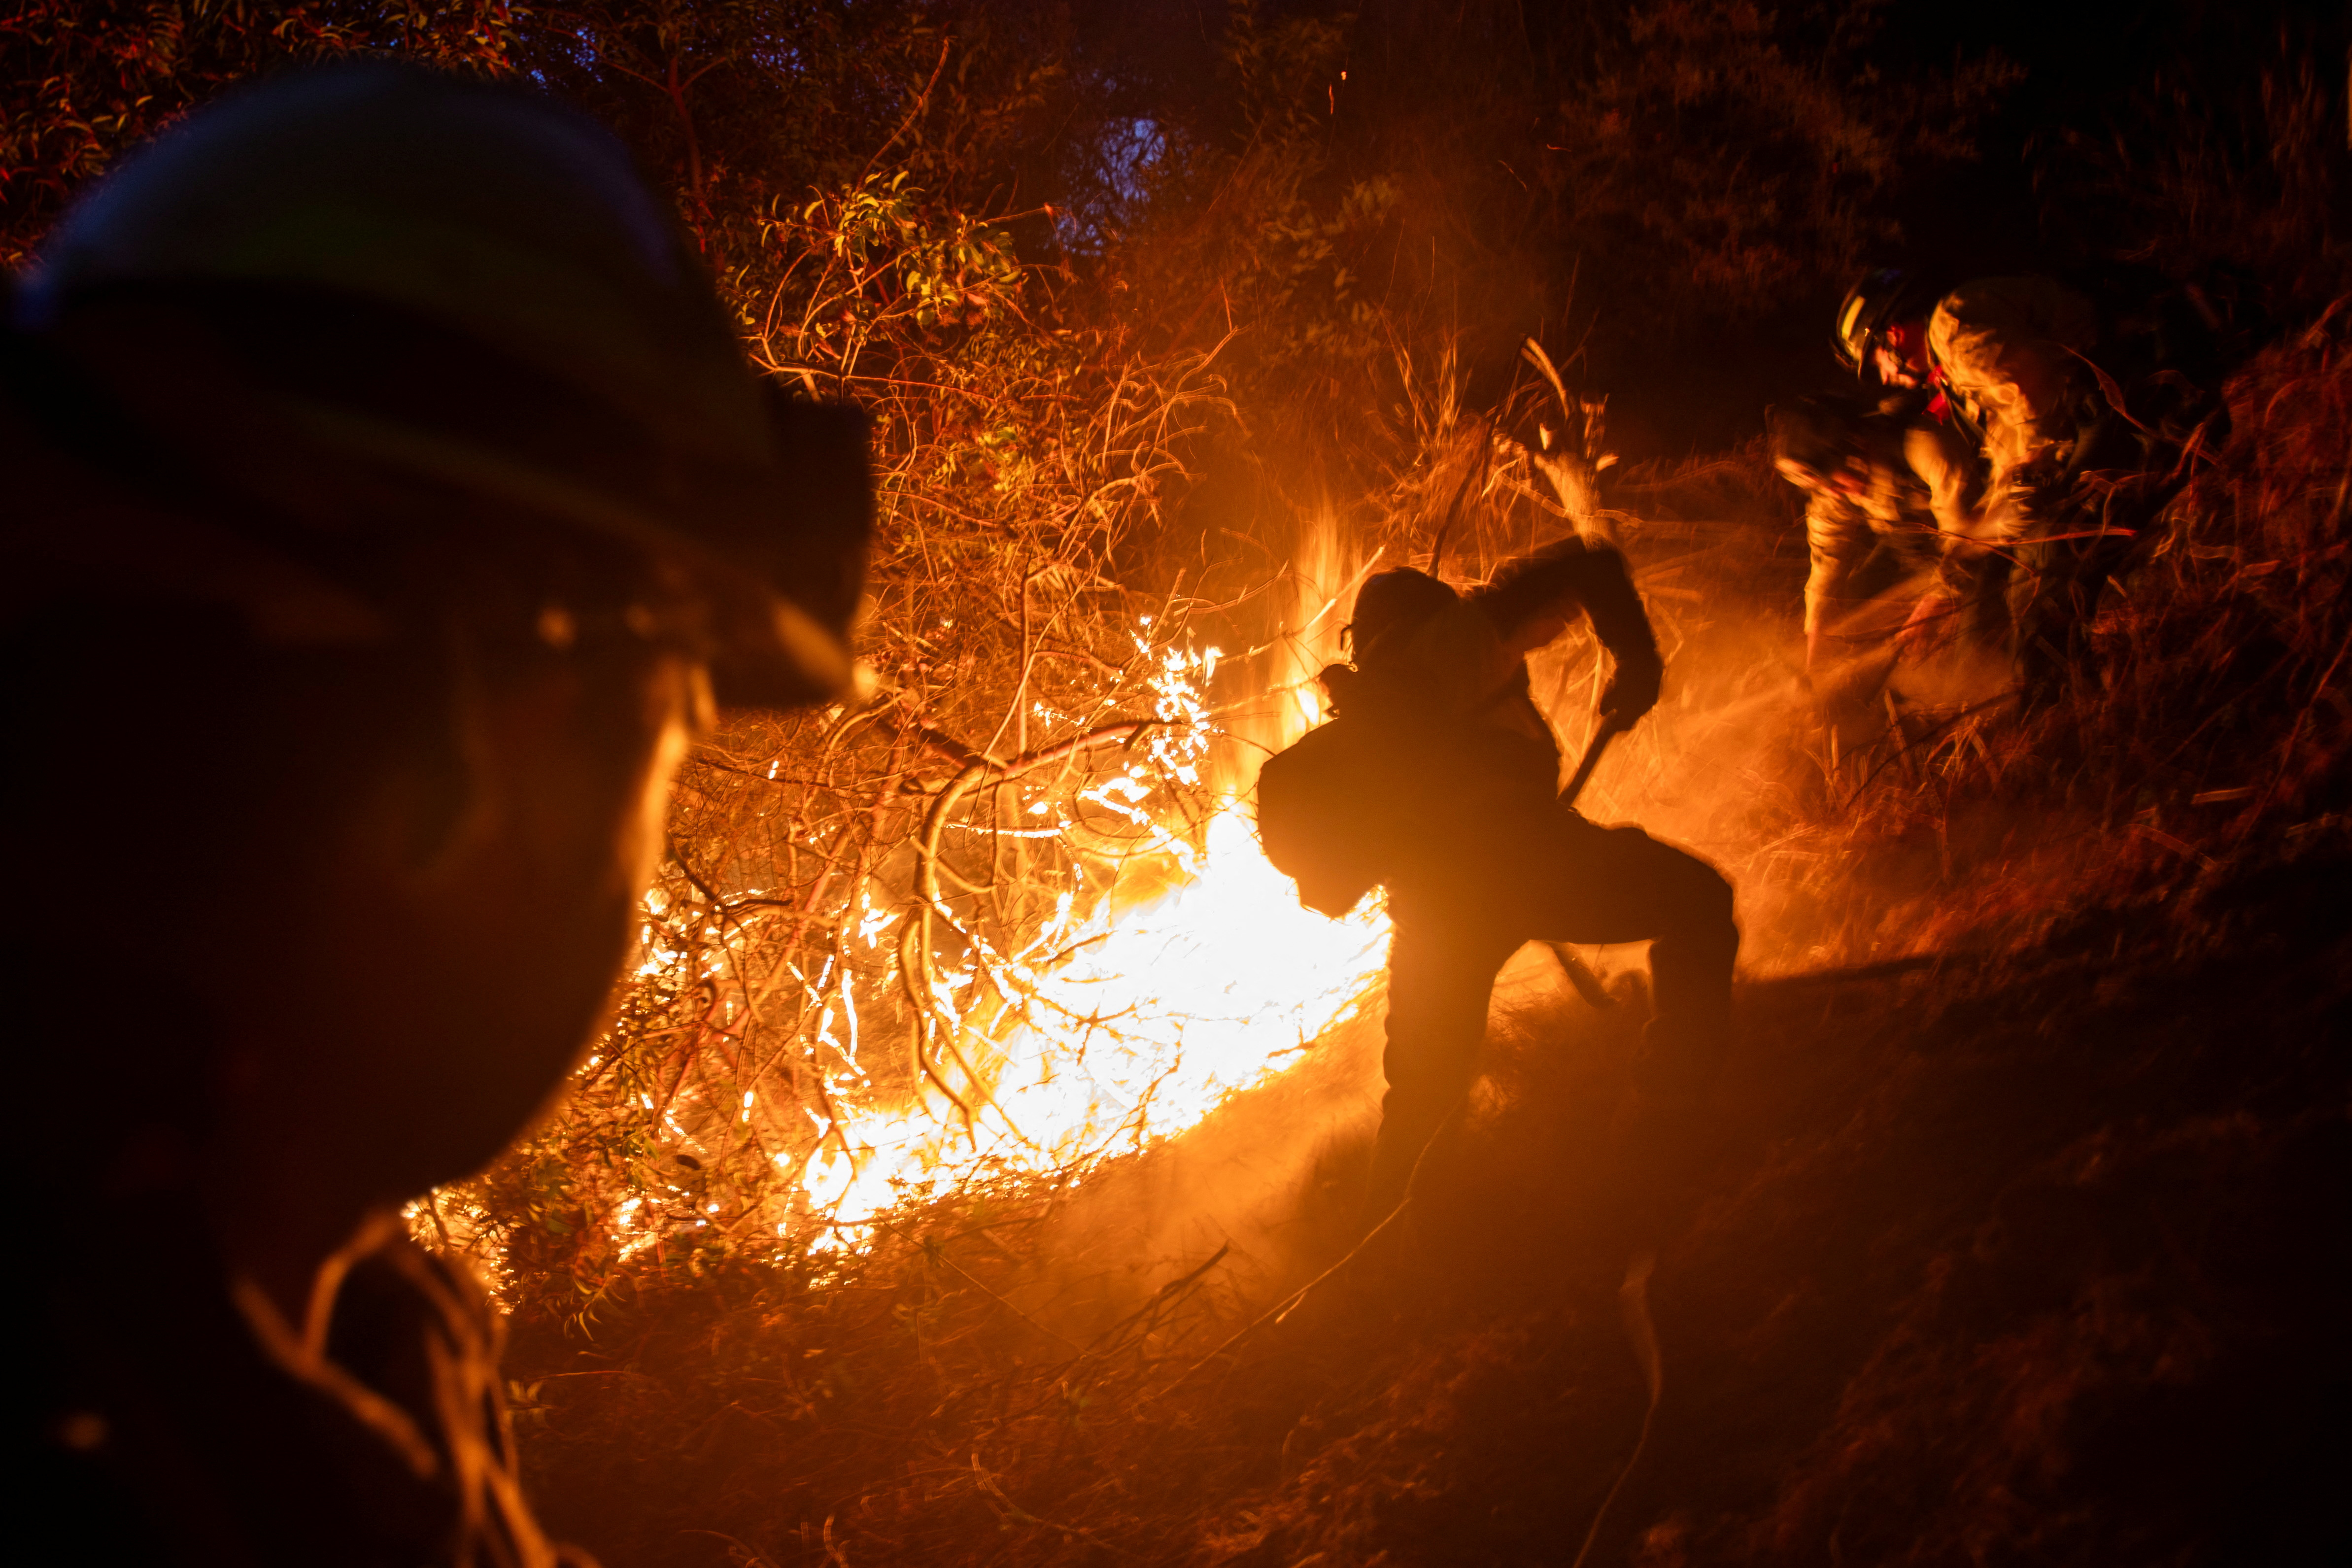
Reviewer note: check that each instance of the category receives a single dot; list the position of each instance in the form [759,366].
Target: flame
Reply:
[1119,1022]
[1129,1026]
[1159,1015]
[1121,1026]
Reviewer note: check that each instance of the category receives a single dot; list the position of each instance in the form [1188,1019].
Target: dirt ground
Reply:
[2039,1259]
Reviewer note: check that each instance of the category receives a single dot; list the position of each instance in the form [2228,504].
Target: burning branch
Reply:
[915,955]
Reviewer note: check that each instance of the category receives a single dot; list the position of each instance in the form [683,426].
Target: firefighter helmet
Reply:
[467,285]
[1881,299]
[1392,604]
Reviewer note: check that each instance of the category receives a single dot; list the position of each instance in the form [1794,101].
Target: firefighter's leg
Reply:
[2020,517]
[1967,607]
[1981,599]
[1592,884]
[1970,605]
[1440,975]
[1691,959]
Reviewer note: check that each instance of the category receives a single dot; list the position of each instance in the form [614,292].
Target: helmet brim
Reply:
[299,407]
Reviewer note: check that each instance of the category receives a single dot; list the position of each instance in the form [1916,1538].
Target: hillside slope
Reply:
[2032,1250]
[2042,1260]
[2036,1260]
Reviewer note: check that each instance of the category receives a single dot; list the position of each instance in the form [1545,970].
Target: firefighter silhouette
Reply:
[1438,779]
[388,497]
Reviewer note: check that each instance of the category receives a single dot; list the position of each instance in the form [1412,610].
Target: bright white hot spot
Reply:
[1158,1015]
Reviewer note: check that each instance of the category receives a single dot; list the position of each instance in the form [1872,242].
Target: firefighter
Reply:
[388,503]
[1479,856]
[1884,487]
[2088,405]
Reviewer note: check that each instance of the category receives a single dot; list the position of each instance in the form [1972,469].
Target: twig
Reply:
[1164,1294]
[922,101]
[915,943]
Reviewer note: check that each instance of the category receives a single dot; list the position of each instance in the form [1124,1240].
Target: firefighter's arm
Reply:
[1838,539]
[1947,466]
[1551,584]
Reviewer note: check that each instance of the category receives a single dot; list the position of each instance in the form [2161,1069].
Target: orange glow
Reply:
[1156,1015]
[1119,1021]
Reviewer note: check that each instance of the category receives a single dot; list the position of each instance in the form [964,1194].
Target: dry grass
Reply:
[851,897]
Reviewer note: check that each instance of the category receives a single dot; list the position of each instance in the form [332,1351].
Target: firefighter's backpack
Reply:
[1320,814]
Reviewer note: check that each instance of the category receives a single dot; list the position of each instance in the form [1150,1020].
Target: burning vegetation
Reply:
[2040,1013]
[961,1173]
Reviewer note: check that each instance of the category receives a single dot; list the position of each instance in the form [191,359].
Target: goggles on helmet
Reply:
[1880,301]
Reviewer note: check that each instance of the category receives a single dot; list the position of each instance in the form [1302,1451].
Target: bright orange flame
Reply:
[1131,1025]
[1115,1025]
[1127,1024]
[1159,1015]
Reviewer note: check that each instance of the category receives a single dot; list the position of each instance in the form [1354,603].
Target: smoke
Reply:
[1272,1183]
[1274,1178]
[1269,697]
[1748,761]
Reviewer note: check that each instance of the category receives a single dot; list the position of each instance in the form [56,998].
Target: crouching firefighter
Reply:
[1884,488]
[2091,403]
[1438,778]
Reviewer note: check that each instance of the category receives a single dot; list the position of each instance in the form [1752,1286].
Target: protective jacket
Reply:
[2090,401]
[1920,484]
[2013,353]
[1457,667]
[1437,747]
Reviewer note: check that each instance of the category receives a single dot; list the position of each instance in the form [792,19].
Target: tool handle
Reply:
[1610,730]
